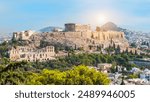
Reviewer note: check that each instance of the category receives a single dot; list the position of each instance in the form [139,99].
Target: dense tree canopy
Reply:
[79,75]
[88,60]
[15,74]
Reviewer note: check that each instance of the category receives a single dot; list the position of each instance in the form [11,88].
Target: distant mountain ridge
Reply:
[110,26]
[49,29]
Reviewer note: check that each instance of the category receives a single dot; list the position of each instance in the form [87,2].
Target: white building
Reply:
[137,81]
[135,70]
[145,74]
[104,67]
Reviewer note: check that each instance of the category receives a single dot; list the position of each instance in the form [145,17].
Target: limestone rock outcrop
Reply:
[80,36]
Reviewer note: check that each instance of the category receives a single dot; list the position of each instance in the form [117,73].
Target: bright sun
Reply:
[102,19]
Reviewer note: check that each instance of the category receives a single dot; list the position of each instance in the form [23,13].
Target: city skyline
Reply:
[19,15]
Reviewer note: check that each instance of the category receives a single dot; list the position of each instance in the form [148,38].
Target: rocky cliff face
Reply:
[80,39]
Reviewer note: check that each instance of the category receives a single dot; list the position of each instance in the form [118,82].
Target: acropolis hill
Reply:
[41,45]
[75,36]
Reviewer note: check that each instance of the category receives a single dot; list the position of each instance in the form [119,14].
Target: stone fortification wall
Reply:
[107,35]
[84,39]
[24,35]
[73,27]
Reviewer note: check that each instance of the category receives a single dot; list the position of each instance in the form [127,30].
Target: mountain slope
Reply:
[49,29]
[110,26]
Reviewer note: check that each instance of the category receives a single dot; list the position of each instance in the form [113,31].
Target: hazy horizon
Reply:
[18,15]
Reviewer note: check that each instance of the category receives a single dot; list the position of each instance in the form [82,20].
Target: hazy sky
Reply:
[17,15]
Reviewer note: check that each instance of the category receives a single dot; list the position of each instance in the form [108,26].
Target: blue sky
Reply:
[18,15]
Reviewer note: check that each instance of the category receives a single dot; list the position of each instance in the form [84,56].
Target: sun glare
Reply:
[102,19]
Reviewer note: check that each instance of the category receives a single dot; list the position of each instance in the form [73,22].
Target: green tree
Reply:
[79,75]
